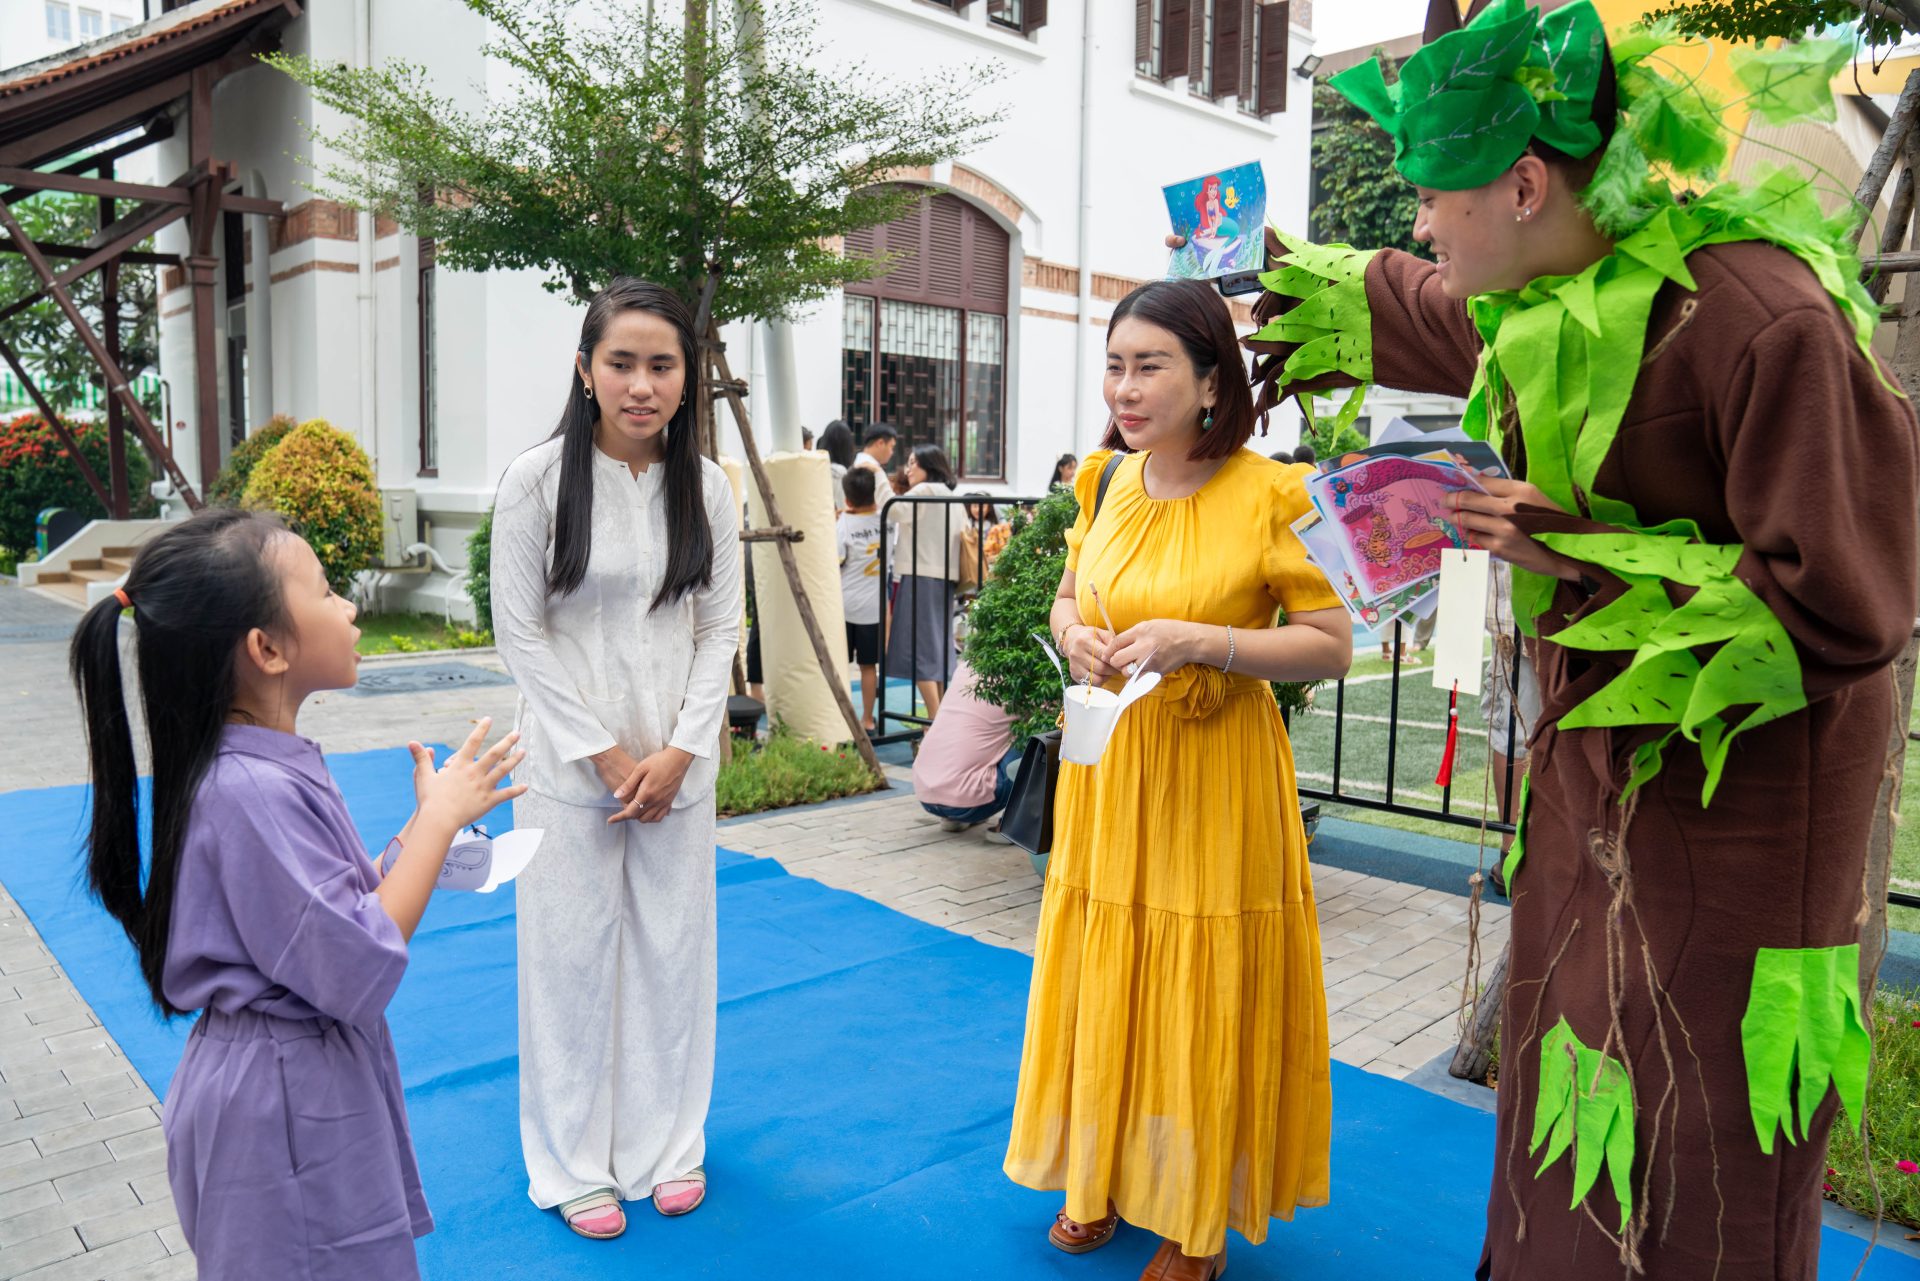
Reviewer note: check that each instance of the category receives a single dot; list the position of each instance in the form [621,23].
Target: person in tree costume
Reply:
[1715,543]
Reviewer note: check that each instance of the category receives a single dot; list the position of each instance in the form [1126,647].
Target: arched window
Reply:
[925,346]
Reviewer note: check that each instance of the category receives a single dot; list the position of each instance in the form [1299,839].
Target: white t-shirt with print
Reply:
[859,538]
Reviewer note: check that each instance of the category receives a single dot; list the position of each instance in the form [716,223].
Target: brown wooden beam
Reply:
[160,130]
[87,472]
[137,256]
[60,139]
[38,180]
[106,255]
[117,384]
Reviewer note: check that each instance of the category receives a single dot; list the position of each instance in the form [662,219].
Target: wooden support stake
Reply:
[1880,167]
[773,534]
[836,680]
[1474,1055]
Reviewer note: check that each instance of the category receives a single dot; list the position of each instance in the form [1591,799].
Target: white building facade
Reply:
[988,341]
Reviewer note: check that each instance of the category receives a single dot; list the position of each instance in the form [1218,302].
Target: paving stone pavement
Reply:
[83,1189]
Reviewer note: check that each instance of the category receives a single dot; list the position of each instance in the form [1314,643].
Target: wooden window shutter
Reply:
[1175,20]
[1034,16]
[1226,48]
[1142,32]
[1249,45]
[1274,71]
[945,249]
[1197,36]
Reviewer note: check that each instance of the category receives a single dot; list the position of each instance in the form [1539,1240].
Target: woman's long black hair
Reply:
[198,589]
[838,441]
[689,536]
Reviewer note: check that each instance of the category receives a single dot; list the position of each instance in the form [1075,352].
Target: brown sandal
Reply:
[1169,1264]
[1099,1232]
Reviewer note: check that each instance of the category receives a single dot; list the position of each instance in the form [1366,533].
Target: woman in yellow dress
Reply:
[1175,1069]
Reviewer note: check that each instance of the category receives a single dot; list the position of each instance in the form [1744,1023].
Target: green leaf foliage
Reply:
[616,144]
[1752,21]
[46,342]
[321,483]
[230,486]
[1014,672]
[479,579]
[1358,198]
[35,474]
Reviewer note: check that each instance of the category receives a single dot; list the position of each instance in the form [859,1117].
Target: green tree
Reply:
[732,156]
[1359,199]
[46,343]
[1744,21]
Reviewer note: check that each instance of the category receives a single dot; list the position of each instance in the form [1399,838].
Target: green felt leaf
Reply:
[1458,140]
[1574,43]
[1532,596]
[1792,81]
[1553,1110]
[1586,1103]
[1632,553]
[1677,124]
[1349,410]
[1721,609]
[1648,758]
[1654,690]
[1365,86]
[1802,1030]
[1518,850]
[1625,623]
[1758,666]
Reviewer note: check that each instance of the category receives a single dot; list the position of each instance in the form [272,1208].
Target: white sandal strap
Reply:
[598,1200]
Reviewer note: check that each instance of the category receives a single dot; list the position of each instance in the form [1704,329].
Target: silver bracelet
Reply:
[1229,663]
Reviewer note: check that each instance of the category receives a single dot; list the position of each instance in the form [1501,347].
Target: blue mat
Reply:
[864,1085]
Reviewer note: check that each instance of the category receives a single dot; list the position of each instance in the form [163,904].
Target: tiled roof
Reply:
[124,44]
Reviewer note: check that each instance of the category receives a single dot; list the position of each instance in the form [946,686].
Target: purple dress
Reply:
[287,1141]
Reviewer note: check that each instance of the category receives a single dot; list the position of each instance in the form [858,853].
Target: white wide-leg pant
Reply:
[618,993]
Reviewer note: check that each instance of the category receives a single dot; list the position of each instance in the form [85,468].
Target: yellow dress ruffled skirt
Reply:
[1176,1046]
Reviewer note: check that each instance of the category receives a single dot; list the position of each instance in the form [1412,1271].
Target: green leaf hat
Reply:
[1468,105]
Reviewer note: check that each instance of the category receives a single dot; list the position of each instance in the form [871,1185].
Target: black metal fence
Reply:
[939,600]
[939,522]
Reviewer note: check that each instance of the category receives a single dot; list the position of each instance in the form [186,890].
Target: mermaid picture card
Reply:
[1223,216]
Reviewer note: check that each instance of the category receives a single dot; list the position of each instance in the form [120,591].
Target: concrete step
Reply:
[103,574]
[118,553]
[118,564]
[63,589]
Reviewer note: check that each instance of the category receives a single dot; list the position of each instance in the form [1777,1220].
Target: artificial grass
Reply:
[1417,751]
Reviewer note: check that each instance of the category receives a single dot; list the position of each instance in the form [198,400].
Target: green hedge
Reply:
[320,481]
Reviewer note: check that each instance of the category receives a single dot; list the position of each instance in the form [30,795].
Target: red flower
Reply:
[1907,1167]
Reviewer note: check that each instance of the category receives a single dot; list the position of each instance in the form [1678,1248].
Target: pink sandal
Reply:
[682,1195]
[597,1214]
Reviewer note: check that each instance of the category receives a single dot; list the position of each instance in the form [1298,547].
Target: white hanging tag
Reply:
[1459,631]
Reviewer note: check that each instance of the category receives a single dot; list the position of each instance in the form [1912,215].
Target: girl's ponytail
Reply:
[113,838]
[196,590]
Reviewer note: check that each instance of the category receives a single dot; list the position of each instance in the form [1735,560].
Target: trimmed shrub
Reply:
[230,486]
[1015,602]
[320,481]
[479,579]
[36,473]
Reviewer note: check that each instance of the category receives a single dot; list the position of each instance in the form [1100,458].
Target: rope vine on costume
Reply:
[1560,358]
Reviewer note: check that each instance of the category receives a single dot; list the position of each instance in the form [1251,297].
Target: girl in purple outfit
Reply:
[287,1143]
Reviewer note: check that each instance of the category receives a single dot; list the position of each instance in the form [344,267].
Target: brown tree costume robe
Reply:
[1755,414]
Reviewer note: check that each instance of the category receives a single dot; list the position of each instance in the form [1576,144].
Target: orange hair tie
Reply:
[120,594]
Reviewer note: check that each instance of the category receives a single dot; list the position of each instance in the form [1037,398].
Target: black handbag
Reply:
[1028,820]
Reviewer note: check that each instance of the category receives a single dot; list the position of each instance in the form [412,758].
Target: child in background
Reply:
[288,1150]
[858,531]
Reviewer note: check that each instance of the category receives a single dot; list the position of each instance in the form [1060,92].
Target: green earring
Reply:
[1206,424]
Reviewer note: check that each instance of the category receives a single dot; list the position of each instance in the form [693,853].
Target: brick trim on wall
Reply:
[318,264]
[986,190]
[316,219]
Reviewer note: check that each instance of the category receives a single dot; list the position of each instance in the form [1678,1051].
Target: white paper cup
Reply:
[1091,713]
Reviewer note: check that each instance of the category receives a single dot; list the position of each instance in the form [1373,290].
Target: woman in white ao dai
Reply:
[620,629]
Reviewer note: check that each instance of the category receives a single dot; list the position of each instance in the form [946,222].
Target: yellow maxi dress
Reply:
[1176,1043]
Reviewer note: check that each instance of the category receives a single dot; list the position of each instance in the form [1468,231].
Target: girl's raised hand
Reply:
[464,789]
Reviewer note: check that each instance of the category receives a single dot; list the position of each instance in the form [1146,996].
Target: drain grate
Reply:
[410,678]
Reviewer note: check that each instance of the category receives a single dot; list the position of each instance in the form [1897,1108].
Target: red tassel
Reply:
[1445,777]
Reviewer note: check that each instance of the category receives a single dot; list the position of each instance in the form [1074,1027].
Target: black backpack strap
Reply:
[1106,479]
